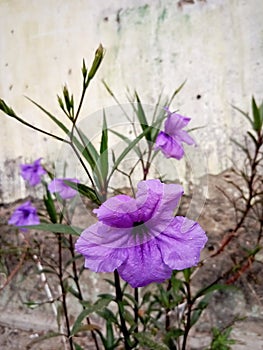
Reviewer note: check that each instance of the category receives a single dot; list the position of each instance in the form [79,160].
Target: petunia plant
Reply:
[151,251]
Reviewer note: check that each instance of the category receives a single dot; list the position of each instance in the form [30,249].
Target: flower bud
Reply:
[96,62]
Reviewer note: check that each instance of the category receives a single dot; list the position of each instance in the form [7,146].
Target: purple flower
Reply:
[140,237]
[170,140]
[24,215]
[32,172]
[59,186]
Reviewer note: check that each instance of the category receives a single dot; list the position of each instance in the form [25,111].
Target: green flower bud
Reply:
[96,62]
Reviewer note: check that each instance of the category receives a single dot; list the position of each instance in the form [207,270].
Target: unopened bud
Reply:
[67,99]
[96,62]
[7,110]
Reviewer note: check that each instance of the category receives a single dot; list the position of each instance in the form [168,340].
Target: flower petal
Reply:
[99,254]
[183,136]
[58,185]
[169,146]
[144,265]
[24,215]
[118,211]
[32,172]
[175,122]
[182,243]
[158,202]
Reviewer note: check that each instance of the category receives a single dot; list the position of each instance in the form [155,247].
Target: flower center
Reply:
[139,230]
[26,213]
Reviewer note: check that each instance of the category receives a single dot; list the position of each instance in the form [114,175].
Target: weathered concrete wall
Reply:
[217,45]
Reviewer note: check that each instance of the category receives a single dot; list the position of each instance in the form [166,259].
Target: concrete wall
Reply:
[217,45]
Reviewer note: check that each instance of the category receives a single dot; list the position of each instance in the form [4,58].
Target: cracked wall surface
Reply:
[151,46]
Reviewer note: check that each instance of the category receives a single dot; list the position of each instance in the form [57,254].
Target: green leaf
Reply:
[128,141]
[103,160]
[175,93]
[109,335]
[77,346]
[56,228]
[98,306]
[50,206]
[128,149]
[148,341]
[187,274]
[87,149]
[257,124]
[84,190]
[6,109]
[261,112]
[197,312]
[142,117]
[44,337]
[51,116]
[246,115]
[212,288]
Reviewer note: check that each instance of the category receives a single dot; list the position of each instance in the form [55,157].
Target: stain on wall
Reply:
[151,46]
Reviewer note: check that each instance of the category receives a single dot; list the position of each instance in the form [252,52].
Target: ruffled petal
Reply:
[144,265]
[183,136]
[158,202]
[169,146]
[24,215]
[32,172]
[175,122]
[59,186]
[119,211]
[102,253]
[182,243]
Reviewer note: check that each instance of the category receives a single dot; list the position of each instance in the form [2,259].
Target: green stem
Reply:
[189,314]
[63,291]
[119,298]
[136,297]
[76,280]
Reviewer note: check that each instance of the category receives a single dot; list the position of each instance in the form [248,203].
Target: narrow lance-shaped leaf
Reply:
[257,124]
[87,150]
[50,206]
[246,115]
[99,305]
[9,111]
[148,341]
[142,117]
[128,141]
[84,190]
[127,150]
[175,93]
[103,159]
[56,228]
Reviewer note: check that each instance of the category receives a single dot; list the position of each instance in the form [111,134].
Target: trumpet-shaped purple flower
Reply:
[25,214]
[32,172]
[170,140]
[59,186]
[140,237]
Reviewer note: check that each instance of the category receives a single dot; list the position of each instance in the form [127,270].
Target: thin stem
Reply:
[82,163]
[124,329]
[76,280]
[189,311]
[250,184]
[37,129]
[136,316]
[167,310]
[63,291]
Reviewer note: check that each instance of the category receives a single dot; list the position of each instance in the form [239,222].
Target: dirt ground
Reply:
[241,307]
